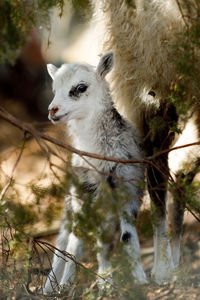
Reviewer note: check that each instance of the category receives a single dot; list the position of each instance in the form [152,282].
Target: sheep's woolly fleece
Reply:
[144,36]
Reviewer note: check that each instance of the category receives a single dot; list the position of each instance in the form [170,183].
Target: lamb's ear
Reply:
[52,70]
[105,64]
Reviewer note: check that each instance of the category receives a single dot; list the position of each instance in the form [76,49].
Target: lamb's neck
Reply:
[86,132]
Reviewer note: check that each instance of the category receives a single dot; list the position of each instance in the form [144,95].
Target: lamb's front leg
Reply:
[74,248]
[104,265]
[104,243]
[63,268]
[130,241]
[59,261]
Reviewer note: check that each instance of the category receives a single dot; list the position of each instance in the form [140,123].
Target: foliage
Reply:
[186,191]
[131,3]
[184,92]
[157,124]
[82,8]
[17,18]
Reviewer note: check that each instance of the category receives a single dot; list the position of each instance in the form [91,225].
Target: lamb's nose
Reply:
[53,110]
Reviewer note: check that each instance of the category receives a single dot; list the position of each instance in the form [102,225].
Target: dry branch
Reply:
[4,190]
[26,127]
[39,135]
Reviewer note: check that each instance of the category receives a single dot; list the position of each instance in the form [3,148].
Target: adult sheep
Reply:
[154,84]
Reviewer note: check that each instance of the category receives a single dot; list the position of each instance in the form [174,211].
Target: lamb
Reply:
[142,34]
[83,101]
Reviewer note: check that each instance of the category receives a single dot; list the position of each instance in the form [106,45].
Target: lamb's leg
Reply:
[104,265]
[163,263]
[131,245]
[63,268]
[59,261]
[105,245]
[74,248]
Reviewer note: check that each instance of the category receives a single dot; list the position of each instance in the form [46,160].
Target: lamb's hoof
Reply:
[139,275]
[62,289]
[141,280]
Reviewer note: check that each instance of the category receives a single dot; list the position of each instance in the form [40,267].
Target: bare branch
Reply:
[41,136]
[4,190]
[36,134]
[181,12]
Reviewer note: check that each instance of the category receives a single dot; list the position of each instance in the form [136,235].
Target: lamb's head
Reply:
[78,88]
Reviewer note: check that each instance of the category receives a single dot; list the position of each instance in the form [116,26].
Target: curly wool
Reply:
[144,35]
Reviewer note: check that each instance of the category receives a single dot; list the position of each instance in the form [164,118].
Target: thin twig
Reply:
[173,149]
[36,134]
[165,293]
[181,12]
[194,215]
[6,187]
[68,255]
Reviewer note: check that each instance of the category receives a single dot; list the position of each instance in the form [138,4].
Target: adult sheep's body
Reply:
[143,34]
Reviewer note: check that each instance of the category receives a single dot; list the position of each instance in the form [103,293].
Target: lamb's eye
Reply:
[81,88]
[77,90]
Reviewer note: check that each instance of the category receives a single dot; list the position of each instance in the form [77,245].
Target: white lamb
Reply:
[83,101]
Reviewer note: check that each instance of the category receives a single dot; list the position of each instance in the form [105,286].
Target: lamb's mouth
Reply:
[58,118]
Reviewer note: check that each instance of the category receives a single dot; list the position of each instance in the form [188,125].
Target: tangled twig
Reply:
[8,184]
